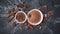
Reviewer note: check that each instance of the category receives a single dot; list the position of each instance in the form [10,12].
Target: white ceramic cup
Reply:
[40,19]
[24,17]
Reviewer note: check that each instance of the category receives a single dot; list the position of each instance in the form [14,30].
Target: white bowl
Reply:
[40,19]
[24,14]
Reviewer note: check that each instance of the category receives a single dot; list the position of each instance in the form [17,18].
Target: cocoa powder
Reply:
[20,17]
[34,16]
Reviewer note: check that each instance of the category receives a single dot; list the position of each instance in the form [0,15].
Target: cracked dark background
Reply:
[52,26]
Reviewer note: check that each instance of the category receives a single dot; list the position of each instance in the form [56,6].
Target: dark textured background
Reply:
[52,26]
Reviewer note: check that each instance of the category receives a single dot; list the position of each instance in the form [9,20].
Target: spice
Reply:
[20,17]
[34,16]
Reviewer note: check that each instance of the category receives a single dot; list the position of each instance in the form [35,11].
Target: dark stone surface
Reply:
[49,27]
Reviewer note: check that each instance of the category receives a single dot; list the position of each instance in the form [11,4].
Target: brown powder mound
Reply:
[34,16]
[20,17]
